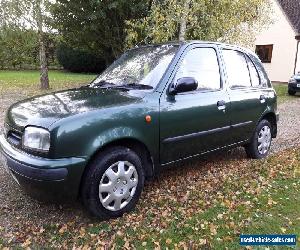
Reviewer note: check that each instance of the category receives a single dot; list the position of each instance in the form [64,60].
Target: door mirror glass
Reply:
[184,84]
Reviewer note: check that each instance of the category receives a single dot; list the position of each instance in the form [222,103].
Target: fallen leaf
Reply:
[283,229]
[26,243]
[213,229]
[63,229]
[168,241]
[202,241]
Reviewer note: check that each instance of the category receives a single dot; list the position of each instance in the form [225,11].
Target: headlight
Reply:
[292,80]
[36,139]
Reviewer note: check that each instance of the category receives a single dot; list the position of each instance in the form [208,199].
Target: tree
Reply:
[31,14]
[96,26]
[183,20]
[217,20]
[18,47]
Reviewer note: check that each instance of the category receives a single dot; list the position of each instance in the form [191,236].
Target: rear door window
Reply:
[237,69]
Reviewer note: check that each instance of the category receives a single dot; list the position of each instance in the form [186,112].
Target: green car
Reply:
[154,106]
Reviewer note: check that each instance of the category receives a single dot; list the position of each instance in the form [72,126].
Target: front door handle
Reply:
[221,105]
[262,99]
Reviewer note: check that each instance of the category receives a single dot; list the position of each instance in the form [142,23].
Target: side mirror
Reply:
[184,84]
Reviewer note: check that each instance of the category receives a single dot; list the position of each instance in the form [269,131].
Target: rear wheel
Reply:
[291,92]
[113,183]
[259,146]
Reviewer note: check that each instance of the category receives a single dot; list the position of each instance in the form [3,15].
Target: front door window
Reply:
[201,64]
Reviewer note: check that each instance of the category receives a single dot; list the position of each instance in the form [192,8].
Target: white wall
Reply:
[282,36]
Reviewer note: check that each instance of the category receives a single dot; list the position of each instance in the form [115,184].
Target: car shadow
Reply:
[200,162]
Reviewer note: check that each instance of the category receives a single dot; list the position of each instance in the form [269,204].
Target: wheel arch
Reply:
[271,117]
[135,145]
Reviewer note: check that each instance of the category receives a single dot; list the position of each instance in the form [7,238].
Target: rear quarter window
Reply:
[264,80]
[255,79]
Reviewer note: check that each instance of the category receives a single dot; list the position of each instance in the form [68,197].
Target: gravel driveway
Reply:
[288,126]
[16,208]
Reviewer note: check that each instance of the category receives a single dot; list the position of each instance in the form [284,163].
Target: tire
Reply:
[260,143]
[291,92]
[110,190]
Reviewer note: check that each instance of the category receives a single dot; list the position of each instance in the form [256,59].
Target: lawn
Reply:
[18,80]
[282,92]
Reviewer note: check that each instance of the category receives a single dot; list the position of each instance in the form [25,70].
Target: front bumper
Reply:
[294,87]
[44,179]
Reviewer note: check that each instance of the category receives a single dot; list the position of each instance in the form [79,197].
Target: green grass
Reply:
[18,80]
[282,92]
[263,219]
[285,215]
[29,80]
[275,211]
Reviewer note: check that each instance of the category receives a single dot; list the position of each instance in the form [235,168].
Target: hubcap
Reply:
[264,140]
[118,185]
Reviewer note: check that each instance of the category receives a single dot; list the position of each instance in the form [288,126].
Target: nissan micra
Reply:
[154,106]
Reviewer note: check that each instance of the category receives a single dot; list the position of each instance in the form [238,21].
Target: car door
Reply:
[247,97]
[194,122]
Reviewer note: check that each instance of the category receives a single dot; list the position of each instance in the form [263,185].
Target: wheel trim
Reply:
[264,140]
[118,185]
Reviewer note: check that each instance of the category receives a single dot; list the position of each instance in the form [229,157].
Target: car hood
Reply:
[297,77]
[46,109]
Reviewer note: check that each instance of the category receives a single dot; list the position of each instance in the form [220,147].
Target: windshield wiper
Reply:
[103,83]
[135,86]
[107,84]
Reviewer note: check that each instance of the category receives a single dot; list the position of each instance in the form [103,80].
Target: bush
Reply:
[18,48]
[76,60]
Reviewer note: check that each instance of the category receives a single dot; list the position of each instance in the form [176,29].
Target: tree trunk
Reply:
[182,29]
[150,5]
[44,79]
[183,20]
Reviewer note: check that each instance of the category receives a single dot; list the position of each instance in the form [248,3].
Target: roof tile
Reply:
[292,11]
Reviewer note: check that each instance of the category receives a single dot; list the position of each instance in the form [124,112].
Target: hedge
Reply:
[76,60]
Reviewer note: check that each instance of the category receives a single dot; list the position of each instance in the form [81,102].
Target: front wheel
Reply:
[113,183]
[260,143]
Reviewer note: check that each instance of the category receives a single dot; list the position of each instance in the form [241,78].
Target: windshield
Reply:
[141,66]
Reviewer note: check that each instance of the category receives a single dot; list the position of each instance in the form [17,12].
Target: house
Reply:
[278,45]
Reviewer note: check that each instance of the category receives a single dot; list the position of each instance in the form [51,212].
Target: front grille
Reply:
[14,138]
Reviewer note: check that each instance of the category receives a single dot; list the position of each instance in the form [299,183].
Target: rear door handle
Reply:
[221,105]
[262,99]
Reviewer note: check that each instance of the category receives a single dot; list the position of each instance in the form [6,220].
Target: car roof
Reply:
[189,42]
